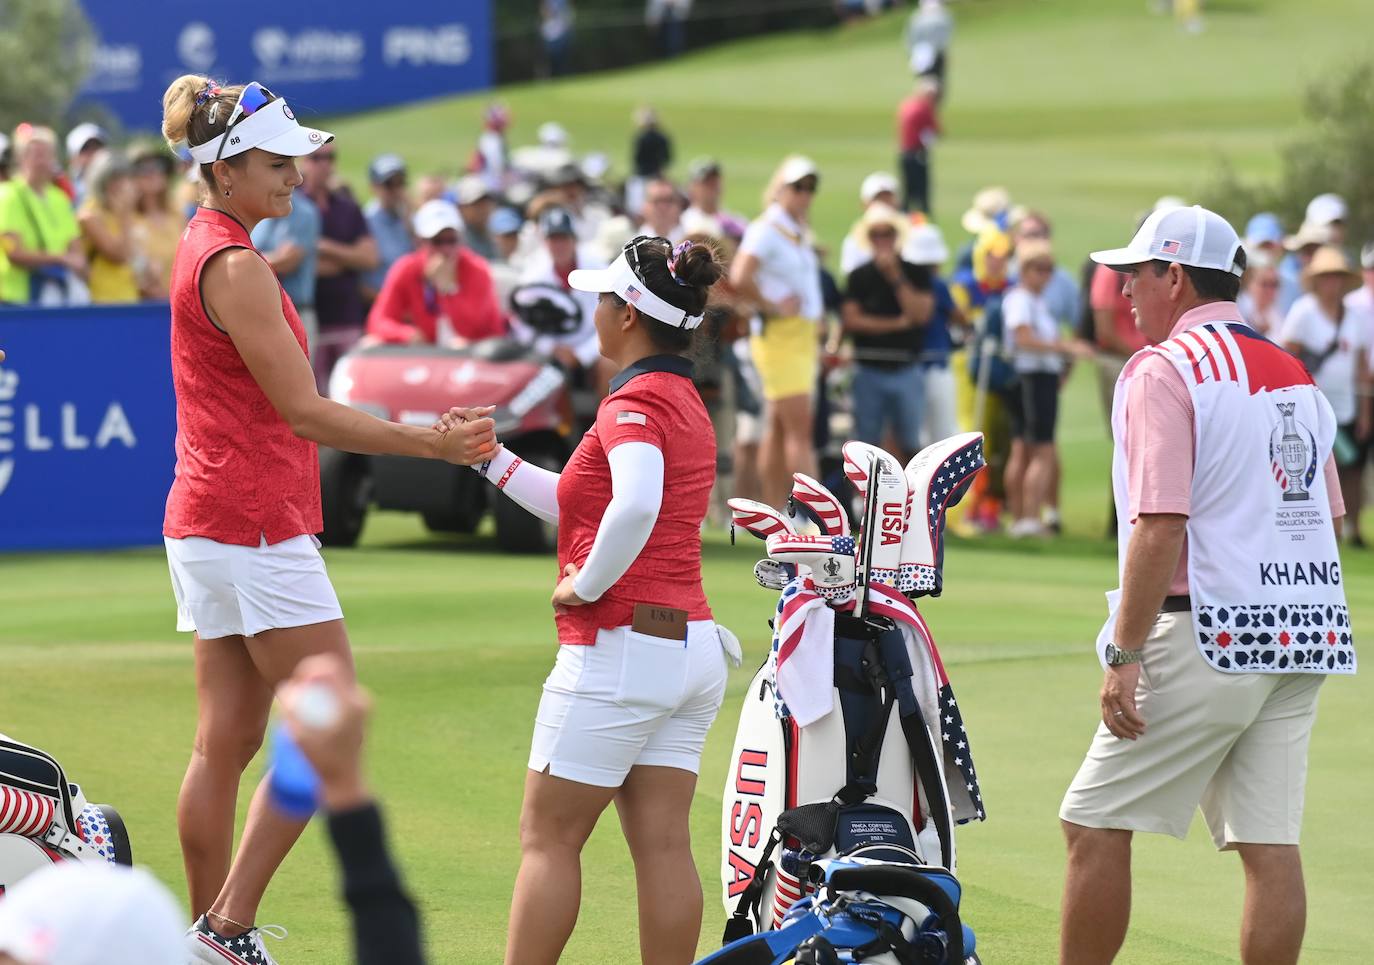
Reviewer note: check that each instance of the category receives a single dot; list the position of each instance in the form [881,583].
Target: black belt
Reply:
[1177,604]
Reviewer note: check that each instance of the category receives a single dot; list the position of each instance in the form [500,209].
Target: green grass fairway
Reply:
[1087,109]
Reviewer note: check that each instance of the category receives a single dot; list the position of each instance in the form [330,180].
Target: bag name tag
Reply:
[664,622]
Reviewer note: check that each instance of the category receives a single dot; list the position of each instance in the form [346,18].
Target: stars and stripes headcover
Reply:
[938,476]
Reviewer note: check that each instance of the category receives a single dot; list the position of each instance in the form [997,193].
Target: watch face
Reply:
[1111,652]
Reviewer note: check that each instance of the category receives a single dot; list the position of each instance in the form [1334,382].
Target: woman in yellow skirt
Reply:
[776,269]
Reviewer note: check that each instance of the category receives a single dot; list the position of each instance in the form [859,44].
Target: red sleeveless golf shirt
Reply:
[241,474]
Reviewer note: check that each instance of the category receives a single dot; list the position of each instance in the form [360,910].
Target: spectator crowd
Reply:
[907,343]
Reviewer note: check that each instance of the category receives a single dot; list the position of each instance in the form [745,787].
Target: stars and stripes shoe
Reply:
[205,945]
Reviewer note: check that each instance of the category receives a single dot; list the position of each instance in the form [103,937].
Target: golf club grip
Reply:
[908,883]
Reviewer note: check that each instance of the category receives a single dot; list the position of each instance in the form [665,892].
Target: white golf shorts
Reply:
[630,699]
[226,590]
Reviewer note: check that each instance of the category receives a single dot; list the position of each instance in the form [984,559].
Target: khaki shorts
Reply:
[1234,744]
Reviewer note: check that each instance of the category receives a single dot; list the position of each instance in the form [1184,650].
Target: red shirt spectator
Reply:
[917,123]
[1105,296]
[439,293]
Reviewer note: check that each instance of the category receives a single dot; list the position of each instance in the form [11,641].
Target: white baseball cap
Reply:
[436,216]
[79,136]
[472,188]
[1324,209]
[73,913]
[264,121]
[796,168]
[1192,236]
[621,279]
[875,184]
[551,134]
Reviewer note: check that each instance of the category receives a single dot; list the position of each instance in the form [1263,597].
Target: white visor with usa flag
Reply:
[1191,236]
[621,279]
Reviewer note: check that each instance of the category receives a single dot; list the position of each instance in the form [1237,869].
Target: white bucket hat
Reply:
[925,245]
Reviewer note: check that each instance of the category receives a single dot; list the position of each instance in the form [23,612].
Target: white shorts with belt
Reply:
[224,590]
[1234,744]
[631,699]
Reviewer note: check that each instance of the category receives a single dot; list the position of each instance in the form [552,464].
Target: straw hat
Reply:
[988,205]
[1308,234]
[879,214]
[1330,260]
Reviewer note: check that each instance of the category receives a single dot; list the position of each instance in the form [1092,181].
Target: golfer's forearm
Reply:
[533,488]
[1150,565]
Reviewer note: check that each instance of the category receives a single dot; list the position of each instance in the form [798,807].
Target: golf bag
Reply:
[44,818]
[873,770]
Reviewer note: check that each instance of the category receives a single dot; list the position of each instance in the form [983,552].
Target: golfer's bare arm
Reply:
[243,299]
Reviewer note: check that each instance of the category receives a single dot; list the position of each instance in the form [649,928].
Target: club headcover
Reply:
[877,475]
[773,575]
[858,461]
[822,503]
[829,560]
[759,518]
[938,477]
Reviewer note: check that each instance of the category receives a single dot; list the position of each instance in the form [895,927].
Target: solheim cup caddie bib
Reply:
[1264,569]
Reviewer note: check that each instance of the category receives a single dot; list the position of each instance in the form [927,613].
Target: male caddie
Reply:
[1231,607]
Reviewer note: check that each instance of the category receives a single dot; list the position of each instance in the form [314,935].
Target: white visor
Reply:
[621,279]
[273,128]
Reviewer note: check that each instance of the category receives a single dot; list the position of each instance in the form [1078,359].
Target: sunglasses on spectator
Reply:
[883,233]
[806,186]
[253,99]
[445,239]
[1044,266]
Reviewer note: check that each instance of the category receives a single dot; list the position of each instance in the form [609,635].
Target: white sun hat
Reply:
[261,119]
[620,278]
[925,245]
[91,914]
[1192,236]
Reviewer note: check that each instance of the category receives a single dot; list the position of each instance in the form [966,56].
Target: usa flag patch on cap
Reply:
[625,418]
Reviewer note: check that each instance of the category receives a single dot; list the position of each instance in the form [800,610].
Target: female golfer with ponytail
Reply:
[641,671]
[245,565]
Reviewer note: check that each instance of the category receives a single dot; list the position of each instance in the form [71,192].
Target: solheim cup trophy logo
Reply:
[1292,456]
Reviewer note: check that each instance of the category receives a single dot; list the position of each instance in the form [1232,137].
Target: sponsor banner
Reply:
[87,427]
[346,56]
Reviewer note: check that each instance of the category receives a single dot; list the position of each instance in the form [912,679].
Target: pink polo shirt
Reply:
[1160,436]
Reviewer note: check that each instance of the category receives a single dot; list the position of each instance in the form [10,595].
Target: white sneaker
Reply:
[208,947]
[1027,528]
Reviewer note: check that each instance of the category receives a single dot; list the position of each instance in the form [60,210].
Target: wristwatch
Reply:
[1116,657]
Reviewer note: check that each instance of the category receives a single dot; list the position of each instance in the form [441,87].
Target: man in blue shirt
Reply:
[291,246]
[388,217]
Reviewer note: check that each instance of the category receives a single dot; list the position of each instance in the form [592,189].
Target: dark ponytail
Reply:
[682,277]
